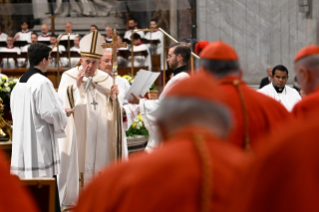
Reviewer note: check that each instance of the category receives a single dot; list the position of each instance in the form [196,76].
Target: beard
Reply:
[131,27]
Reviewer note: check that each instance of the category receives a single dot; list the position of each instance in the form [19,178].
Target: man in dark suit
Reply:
[266,80]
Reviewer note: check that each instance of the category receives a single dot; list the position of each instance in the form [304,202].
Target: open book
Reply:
[142,82]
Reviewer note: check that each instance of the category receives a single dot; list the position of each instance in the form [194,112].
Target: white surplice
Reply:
[24,36]
[3,36]
[90,141]
[288,98]
[140,60]
[38,121]
[128,34]
[75,60]
[9,62]
[63,60]
[157,35]
[148,109]
[43,37]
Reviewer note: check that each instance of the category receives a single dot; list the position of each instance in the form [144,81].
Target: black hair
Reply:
[37,52]
[132,19]
[33,33]
[95,27]
[136,36]
[184,51]
[220,68]
[53,35]
[279,68]
[153,19]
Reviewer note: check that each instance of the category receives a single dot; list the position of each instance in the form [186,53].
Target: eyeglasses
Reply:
[170,55]
[106,61]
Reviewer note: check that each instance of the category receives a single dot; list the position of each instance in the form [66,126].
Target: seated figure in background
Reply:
[140,60]
[64,60]
[9,62]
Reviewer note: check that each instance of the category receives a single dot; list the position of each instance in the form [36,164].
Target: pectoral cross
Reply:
[81,180]
[94,103]
[114,45]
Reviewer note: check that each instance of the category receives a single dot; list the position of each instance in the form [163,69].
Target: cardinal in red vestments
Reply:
[307,71]
[192,171]
[284,174]
[13,197]
[254,114]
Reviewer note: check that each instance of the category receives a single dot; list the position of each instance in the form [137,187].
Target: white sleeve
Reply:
[49,107]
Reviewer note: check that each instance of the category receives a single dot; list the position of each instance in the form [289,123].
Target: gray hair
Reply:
[310,62]
[220,68]
[177,112]
[108,50]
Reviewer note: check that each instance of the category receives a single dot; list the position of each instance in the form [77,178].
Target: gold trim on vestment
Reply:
[91,55]
[69,92]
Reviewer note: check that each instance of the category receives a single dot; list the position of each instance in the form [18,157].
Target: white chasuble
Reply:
[149,108]
[288,98]
[92,141]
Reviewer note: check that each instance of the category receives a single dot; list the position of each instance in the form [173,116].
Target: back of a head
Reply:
[136,36]
[185,105]
[219,59]
[184,51]
[37,52]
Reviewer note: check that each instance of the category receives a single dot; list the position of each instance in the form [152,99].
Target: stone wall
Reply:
[263,32]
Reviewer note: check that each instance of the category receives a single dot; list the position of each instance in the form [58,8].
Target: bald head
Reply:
[176,113]
[44,29]
[108,31]
[307,72]
[68,27]
[106,62]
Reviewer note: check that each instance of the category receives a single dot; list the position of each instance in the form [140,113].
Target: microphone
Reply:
[88,83]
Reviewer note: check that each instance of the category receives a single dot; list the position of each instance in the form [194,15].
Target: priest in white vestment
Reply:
[156,35]
[45,36]
[63,60]
[140,60]
[278,89]
[149,108]
[132,25]
[92,140]
[38,120]
[130,111]
[24,34]
[75,48]
[9,62]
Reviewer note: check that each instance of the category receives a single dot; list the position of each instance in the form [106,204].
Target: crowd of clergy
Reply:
[215,143]
[141,60]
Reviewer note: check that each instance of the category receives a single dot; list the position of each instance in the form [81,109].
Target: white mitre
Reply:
[91,45]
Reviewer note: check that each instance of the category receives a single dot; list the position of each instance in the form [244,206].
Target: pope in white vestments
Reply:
[92,140]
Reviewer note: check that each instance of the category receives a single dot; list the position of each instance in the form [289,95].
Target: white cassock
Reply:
[43,37]
[38,121]
[75,60]
[9,62]
[157,35]
[288,98]
[63,60]
[131,110]
[128,34]
[24,35]
[3,36]
[148,109]
[92,141]
[140,60]
[109,39]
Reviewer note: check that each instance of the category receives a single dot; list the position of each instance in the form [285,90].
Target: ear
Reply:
[179,57]
[305,74]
